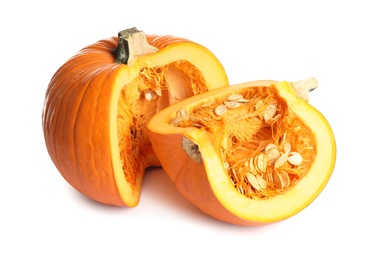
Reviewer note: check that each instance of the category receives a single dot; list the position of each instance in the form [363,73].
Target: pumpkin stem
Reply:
[131,44]
[302,87]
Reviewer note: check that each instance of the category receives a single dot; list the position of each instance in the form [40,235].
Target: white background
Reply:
[43,217]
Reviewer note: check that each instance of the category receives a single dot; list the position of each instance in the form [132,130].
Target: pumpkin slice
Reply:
[251,154]
[98,104]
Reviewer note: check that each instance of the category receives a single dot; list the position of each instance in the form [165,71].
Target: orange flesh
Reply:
[242,134]
[154,89]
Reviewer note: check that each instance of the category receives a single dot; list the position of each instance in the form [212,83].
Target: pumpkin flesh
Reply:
[96,111]
[151,91]
[220,160]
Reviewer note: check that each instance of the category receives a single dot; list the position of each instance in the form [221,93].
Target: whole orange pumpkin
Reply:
[98,103]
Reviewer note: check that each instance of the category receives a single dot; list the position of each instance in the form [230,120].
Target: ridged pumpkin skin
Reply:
[206,183]
[80,114]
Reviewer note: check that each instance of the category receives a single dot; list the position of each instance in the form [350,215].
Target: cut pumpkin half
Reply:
[98,103]
[251,154]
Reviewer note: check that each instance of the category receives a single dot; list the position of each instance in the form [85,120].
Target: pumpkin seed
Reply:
[158,92]
[270,146]
[220,110]
[281,180]
[252,167]
[226,166]
[269,112]
[183,112]
[241,189]
[197,125]
[261,181]
[261,162]
[176,121]
[272,153]
[231,104]
[253,181]
[234,173]
[281,160]
[242,100]
[287,148]
[285,178]
[268,177]
[148,95]
[295,158]
[234,97]
[278,181]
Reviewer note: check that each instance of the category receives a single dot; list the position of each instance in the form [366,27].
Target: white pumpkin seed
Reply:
[226,165]
[234,97]
[287,148]
[148,95]
[269,112]
[277,180]
[273,155]
[253,181]
[270,146]
[242,100]
[261,162]
[281,160]
[176,121]
[220,110]
[183,112]
[285,178]
[261,181]
[231,104]
[295,158]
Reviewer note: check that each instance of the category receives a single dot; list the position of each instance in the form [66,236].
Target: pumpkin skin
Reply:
[88,127]
[205,182]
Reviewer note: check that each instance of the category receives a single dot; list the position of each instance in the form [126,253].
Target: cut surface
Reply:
[265,148]
[154,89]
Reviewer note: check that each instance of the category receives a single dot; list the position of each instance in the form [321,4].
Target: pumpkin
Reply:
[251,154]
[98,103]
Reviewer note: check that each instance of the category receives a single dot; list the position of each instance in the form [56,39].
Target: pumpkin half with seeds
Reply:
[252,154]
[98,103]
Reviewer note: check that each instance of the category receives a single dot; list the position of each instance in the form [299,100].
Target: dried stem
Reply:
[131,44]
[302,87]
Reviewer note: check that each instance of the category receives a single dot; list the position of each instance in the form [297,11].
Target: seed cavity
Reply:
[261,145]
